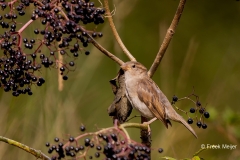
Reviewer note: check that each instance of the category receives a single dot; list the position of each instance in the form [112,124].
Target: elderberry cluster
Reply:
[198,107]
[107,145]
[58,37]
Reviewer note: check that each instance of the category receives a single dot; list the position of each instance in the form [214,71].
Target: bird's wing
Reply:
[146,90]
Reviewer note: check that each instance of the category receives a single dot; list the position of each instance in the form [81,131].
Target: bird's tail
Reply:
[176,117]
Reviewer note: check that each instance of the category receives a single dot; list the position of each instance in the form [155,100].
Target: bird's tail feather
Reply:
[179,119]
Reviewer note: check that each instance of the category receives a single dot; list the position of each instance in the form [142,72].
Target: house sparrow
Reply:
[145,96]
[120,108]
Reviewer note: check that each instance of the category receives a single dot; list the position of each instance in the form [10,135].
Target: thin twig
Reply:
[60,79]
[36,153]
[104,51]
[167,38]
[134,125]
[121,127]
[198,152]
[115,33]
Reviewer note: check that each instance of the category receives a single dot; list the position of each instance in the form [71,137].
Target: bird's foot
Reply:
[148,124]
[149,129]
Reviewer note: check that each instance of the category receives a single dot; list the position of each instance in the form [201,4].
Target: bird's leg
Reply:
[152,120]
[148,124]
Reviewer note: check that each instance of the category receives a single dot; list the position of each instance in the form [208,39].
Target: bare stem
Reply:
[60,79]
[115,33]
[145,135]
[198,152]
[25,26]
[36,153]
[133,125]
[104,51]
[167,38]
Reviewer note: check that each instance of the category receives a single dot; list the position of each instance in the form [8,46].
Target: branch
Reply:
[133,125]
[36,153]
[167,38]
[104,51]
[145,135]
[115,33]
[122,127]
[60,79]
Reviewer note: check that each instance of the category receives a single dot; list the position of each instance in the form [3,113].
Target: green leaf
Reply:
[196,158]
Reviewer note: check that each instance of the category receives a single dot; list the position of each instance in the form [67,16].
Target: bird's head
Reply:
[134,68]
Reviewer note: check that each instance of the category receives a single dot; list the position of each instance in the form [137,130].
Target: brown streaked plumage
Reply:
[145,96]
[120,108]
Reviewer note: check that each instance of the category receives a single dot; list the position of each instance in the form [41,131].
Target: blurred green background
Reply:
[204,53]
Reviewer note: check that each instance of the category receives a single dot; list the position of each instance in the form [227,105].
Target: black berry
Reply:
[190,121]
[192,110]
[199,124]
[204,126]
[82,128]
[206,115]
[160,150]
[175,98]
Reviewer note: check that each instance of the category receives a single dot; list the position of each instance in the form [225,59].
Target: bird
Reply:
[120,108]
[147,98]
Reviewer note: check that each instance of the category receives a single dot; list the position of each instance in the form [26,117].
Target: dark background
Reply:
[203,53]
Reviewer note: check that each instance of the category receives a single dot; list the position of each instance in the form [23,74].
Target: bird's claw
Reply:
[149,129]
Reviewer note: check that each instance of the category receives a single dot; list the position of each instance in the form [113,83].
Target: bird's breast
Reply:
[131,92]
[141,107]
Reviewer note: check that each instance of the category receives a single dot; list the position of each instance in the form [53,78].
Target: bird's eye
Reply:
[133,66]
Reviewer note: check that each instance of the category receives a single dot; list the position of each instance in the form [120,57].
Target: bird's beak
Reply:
[125,67]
